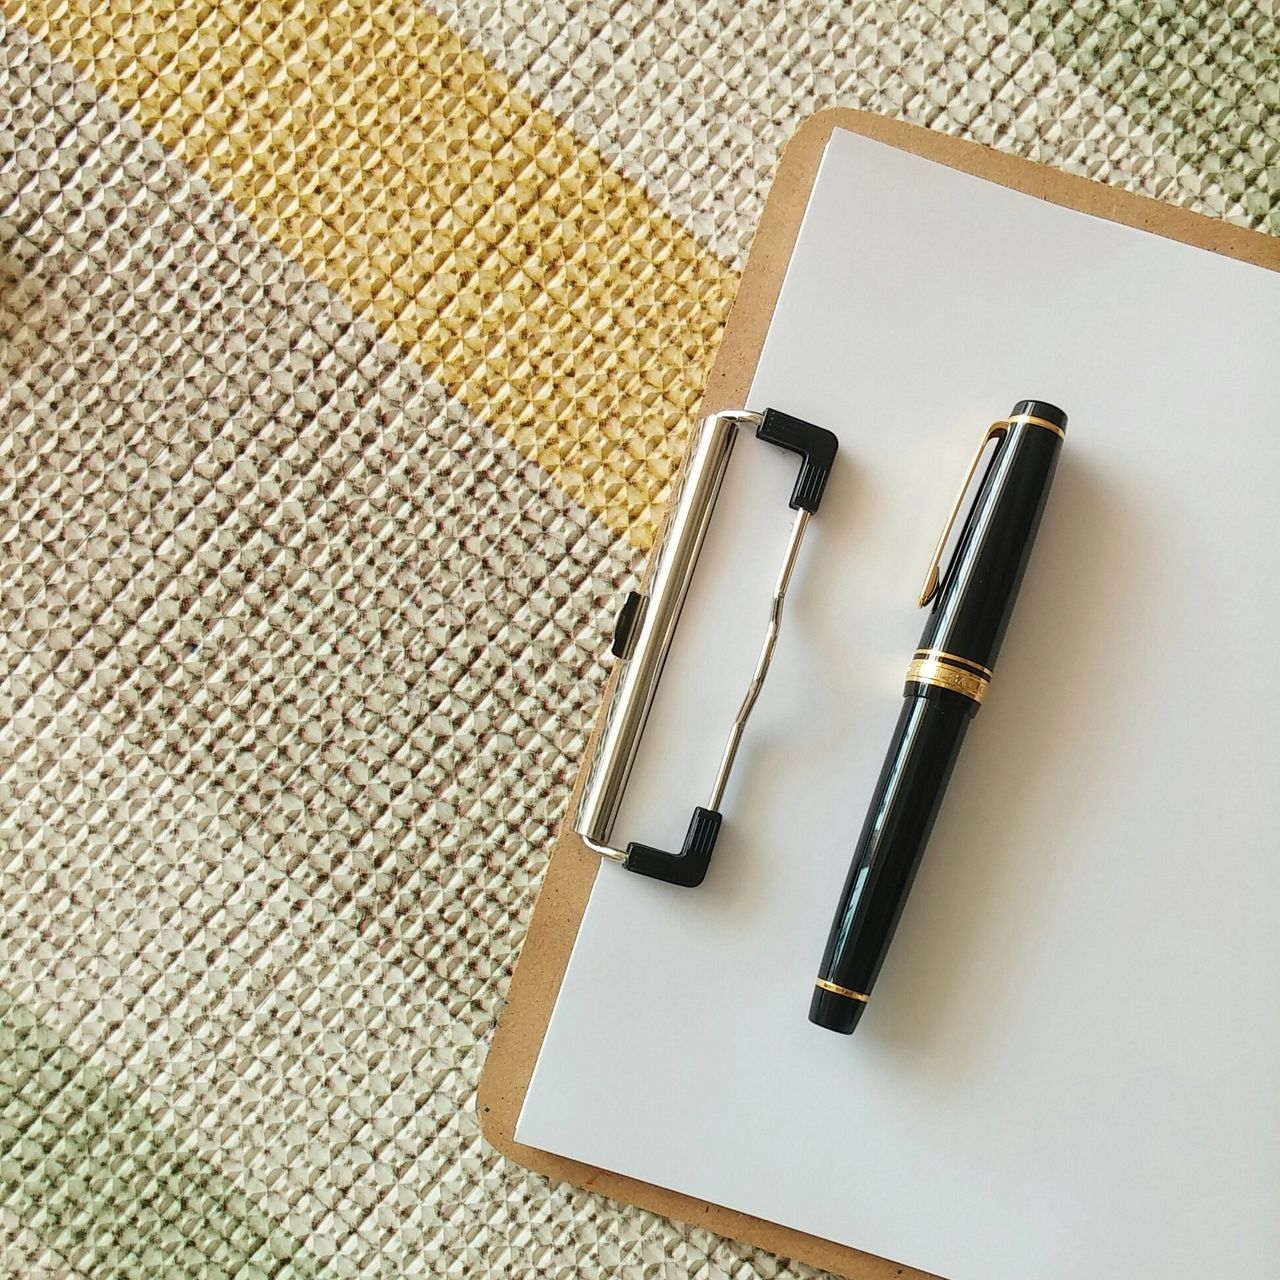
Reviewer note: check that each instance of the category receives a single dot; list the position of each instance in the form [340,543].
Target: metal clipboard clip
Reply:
[647,622]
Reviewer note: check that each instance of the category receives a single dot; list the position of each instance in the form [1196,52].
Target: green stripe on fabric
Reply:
[1203,77]
[94,1176]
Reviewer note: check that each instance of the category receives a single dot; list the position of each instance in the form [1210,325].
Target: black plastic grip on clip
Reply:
[687,868]
[816,447]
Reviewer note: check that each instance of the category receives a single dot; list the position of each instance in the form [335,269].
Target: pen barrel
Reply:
[976,595]
[909,793]
[946,682]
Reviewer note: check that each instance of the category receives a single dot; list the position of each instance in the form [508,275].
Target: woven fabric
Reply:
[347,352]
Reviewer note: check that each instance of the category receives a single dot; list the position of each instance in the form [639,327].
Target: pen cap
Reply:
[975,596]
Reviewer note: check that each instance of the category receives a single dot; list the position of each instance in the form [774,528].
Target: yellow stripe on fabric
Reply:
[540,286]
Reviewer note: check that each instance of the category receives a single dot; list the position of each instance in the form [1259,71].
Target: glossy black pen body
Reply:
[946,681]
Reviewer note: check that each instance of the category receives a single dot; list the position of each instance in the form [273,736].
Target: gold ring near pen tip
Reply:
[841,991]
[943,673]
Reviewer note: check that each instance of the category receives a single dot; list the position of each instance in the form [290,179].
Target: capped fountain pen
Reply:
[946,682]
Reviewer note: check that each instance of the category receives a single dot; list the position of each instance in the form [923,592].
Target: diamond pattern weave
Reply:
[344,358]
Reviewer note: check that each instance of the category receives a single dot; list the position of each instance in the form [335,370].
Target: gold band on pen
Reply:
[842,991]
[1032,421]
[943,671]
[955,660]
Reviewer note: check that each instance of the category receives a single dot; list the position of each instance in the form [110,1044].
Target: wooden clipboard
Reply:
[572,870]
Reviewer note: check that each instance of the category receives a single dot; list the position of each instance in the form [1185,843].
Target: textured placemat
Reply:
[347,352]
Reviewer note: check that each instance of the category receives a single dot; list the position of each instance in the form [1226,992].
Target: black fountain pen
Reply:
[946,682]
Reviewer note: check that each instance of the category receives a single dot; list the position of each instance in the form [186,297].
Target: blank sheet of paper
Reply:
[1070,1069]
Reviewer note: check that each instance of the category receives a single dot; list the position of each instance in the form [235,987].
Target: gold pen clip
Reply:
[932,578]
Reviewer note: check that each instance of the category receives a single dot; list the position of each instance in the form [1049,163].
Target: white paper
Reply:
[1070,1069]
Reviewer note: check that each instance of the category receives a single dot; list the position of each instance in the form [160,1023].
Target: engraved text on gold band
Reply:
[842,991]
[948,674]
[955,660]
